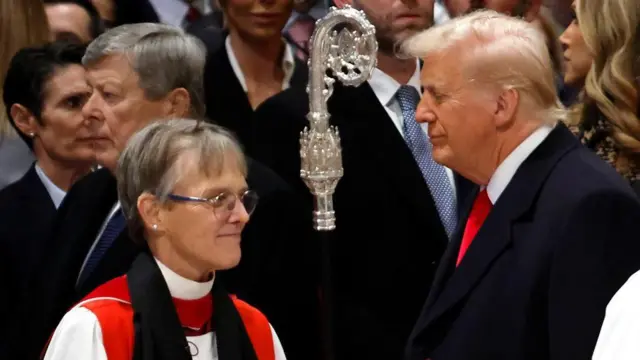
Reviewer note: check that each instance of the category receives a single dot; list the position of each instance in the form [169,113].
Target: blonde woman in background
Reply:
[23,23]
[601,47]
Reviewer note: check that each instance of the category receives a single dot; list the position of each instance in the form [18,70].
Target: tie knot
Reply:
[483,202]
[408,97]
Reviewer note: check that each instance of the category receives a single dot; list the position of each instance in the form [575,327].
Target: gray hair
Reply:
[156,158]
[499,50]
[164,57]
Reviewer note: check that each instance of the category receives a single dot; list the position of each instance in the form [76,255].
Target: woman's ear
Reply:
[24,120]
[150,212]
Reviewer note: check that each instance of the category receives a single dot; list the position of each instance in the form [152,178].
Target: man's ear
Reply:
[533,10]
[177,103]
[507,106]
[150,212]
[24,120]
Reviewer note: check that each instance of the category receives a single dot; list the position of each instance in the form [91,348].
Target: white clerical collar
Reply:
[385,87]
[288,64]
[183,288]
[508,168]
[56,194]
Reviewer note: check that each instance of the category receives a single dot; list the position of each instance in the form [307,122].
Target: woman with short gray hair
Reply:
[182,188]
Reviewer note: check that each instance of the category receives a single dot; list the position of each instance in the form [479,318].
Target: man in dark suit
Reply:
[551,232]
[160,77]
[394,206]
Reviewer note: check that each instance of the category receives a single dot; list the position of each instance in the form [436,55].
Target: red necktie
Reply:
[479,212]
[193,14]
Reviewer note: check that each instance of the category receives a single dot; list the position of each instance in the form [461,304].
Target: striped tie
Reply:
[434,174]
[114,227]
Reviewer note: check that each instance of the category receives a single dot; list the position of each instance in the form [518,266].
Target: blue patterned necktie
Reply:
[434,174]
[114,227]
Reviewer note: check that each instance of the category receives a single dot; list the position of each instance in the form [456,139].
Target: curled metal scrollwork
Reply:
[343,45]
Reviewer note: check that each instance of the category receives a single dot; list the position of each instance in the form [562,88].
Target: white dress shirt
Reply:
[507,169]
[173,12]
[440,13]
[620,334]
[288,65]
[79,335]
[56,194]
[385,87]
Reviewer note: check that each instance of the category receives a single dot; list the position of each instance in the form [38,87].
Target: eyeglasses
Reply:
[223,203]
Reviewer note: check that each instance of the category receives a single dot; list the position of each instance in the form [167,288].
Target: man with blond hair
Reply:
[551,232]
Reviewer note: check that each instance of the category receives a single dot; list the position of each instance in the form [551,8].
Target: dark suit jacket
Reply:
[534,284]
[26,217]
[227,103]
[87,206]
[389,237]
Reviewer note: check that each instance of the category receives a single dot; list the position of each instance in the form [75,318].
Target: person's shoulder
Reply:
[263,179]
[584,174]
[98,325]
[96,179]
[11,192]
[292,101]
[88,188]
[250,315]
[23,198]
[111,305]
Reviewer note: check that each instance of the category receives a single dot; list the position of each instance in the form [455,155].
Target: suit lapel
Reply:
[227,103]
[114,262]
[448,261]
[453,284]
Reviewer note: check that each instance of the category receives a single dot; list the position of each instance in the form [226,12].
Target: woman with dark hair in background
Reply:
[44,91]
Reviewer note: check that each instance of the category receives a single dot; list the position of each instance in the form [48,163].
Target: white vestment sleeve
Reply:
[277,346]
[78,336]
[620,334]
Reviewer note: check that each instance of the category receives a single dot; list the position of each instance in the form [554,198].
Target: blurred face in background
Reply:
[257,19]
[69,22]
[527,9]
[106,9]
[395,20]
[578,58]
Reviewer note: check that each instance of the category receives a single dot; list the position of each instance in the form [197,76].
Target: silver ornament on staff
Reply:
[343,45]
